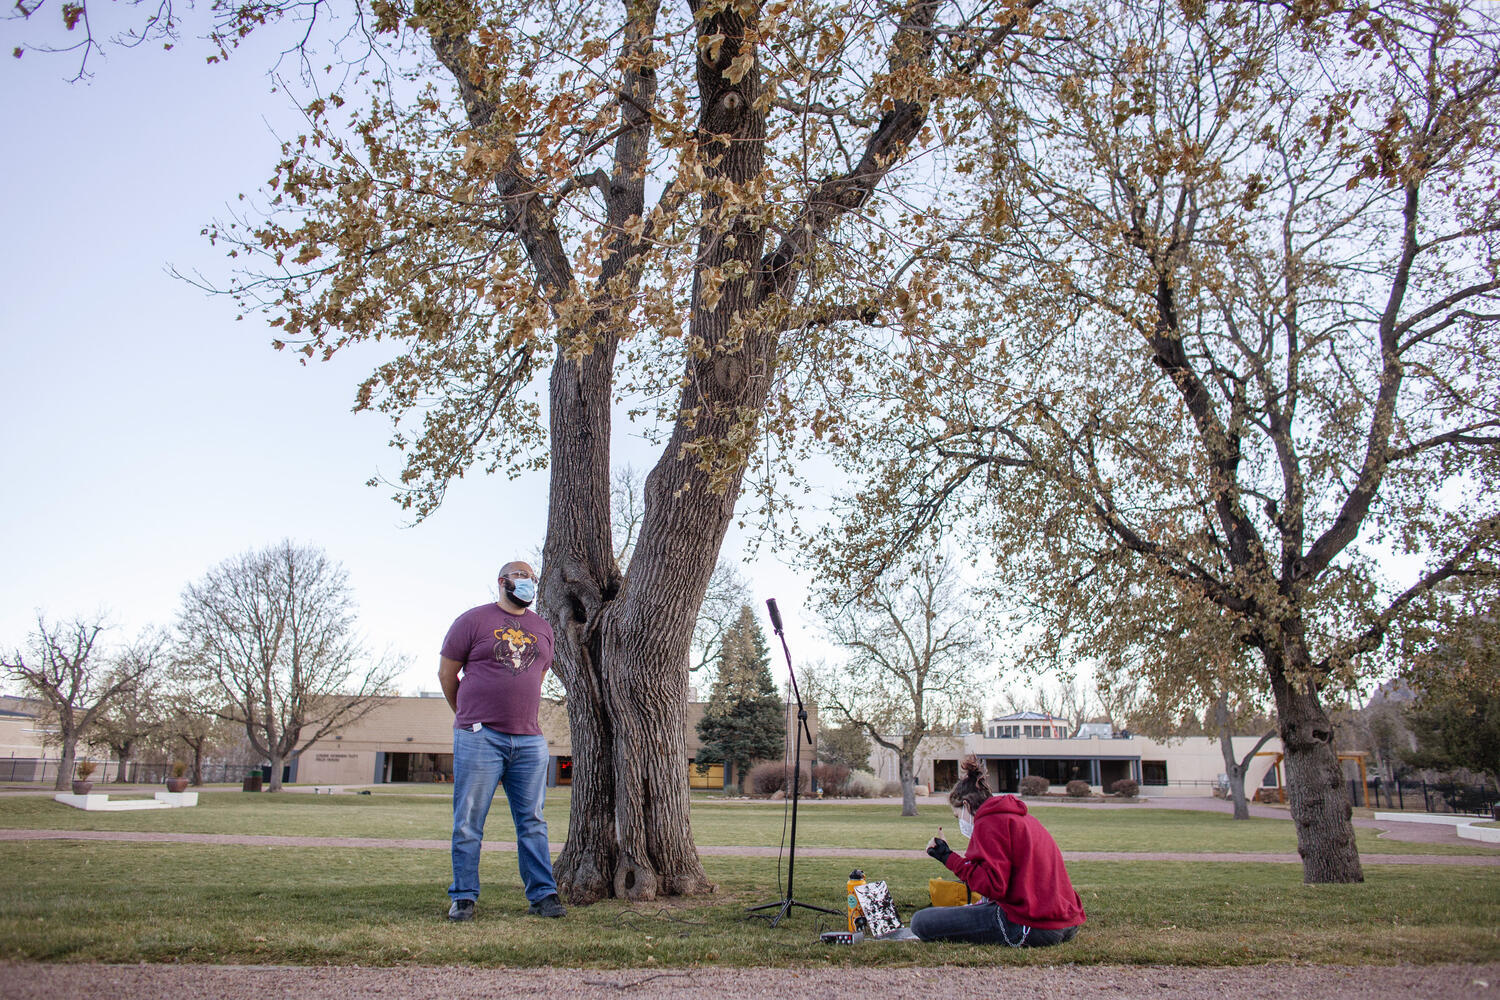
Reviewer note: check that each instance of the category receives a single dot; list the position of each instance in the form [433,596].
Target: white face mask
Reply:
[966,822]
[521,591]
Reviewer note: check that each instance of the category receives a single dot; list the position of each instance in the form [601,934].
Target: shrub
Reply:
[179,769]
[890,788]
[773,776]
[1079,789]
[1126,787]
[861,785]
[831,777]
[85,768]
[1034,784]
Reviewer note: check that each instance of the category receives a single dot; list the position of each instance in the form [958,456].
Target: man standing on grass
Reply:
[492,665]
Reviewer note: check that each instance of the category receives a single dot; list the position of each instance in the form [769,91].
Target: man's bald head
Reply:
[517,570]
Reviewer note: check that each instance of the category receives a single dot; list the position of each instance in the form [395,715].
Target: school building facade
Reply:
[411,739]
[1034,743]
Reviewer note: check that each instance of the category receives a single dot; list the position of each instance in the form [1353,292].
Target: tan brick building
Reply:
[411,739]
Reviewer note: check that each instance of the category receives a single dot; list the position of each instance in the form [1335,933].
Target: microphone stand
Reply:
[781,906]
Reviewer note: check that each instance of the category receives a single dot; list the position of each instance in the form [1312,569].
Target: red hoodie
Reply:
[1014,861]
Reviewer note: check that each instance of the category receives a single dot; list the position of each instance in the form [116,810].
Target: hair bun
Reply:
[971,765]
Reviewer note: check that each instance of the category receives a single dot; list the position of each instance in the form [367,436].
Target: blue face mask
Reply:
[521,591]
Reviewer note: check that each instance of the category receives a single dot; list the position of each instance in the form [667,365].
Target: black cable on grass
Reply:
[664,915]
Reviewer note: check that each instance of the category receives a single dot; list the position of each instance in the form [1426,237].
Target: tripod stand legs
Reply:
[785,905]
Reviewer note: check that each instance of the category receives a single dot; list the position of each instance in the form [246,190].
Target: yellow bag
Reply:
[945,893]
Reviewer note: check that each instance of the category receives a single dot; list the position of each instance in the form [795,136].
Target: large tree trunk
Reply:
[585,869]
[64,782]
[580,583]
[906,769]
[277,763]
[647,696]
[623,644]
[197,769]
[1314,779]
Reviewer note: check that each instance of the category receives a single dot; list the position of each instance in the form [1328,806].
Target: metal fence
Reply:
[1429,796]
[43,771]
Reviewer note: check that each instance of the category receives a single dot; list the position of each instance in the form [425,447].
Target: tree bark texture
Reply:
[197,768]
[1236,775]
[64,780]
[1232,769]
[1319,803]
[907,767]
[120,772]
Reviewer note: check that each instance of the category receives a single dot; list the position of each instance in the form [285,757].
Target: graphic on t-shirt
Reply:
[515,648]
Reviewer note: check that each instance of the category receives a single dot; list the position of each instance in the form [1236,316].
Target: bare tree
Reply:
[193,716]
[1067,699]
[1117,700]
[1239,333]
[911,672]
[627,507]
[137,714]
[74,682]
[274,629]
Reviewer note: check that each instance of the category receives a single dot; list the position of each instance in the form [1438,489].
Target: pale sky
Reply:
[148,436]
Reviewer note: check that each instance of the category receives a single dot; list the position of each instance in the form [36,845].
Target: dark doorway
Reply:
[1005,775]
[1111,771]
[419,767]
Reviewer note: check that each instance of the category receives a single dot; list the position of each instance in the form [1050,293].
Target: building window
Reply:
[1058,771]
[1153,772]
[709,777]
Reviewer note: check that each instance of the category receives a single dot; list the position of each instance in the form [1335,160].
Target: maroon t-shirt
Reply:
[504,658]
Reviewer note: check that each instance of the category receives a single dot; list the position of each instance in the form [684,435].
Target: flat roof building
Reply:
[1189,765]
[411,739]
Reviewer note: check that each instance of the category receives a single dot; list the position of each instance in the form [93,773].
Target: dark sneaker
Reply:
[462,909]
[548,906]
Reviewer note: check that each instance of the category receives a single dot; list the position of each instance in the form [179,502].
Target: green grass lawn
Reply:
[120,902]
[715,823]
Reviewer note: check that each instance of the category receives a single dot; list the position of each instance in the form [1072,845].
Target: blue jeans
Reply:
[982,923]
[481,762]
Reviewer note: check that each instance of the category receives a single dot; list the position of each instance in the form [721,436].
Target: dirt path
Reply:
[172,982]
[1482,860]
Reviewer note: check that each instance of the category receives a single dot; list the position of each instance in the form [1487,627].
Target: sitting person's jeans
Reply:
[983,923]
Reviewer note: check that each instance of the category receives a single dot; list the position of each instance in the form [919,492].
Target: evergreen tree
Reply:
[847,745]
[745,720]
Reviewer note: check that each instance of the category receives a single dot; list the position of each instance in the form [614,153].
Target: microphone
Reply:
[775,615]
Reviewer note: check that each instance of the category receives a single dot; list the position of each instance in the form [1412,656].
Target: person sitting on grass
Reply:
[1012,862]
